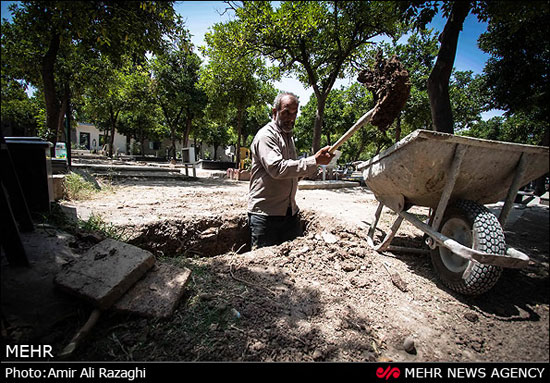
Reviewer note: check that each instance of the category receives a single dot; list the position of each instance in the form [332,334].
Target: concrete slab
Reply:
[157,293]
[105,272]
[331,184]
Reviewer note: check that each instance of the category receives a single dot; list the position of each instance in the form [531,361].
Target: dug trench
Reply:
[322,297]
[272,304]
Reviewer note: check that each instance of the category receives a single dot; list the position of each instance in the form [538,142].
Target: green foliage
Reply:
[316,41]
[56,46]
[140,114]
[235,81]
[96,224]
[176,76]
[519,128]
[247,164]
[517,71]
[77,188]
[18,111]
[343,108]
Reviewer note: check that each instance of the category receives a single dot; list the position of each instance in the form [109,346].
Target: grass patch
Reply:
[96,224]
[77,188]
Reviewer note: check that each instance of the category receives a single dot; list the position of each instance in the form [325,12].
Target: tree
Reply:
[438,81]
[418,56]
[318,41]
[517,71]
[140,114]
[256,116]
[176,78]
[18,110]
[232,78]
[48,41]
[343,108]
[104,100]
[468,99]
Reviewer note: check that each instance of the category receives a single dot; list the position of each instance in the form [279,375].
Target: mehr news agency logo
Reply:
[390,372]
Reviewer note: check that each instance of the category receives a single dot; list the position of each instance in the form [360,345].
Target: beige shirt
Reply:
[275,172]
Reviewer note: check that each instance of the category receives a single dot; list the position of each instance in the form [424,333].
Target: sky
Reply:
[199,16]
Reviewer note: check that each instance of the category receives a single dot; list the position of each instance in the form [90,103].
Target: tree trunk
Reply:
[188,127]
[239,130]
[438,82]
[318,124]
[114,117]
[172,150]
[48,79]
[378,148]
[59,129]
[398,128]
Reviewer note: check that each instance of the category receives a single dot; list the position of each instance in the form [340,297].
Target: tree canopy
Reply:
[48,42]
[232,77]
[318,41]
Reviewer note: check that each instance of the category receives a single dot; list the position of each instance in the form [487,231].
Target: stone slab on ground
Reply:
[157,293]
[105,272]
[330,184]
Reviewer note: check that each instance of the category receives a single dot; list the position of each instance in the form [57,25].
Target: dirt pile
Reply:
[322,297]
[389,83]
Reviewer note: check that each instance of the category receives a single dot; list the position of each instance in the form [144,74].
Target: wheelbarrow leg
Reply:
[372,229]
[384,245]
[513,190]
[454,170]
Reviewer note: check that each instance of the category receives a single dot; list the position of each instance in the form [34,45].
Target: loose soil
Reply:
[325,296]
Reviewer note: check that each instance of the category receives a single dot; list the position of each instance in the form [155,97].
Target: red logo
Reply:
[389,372]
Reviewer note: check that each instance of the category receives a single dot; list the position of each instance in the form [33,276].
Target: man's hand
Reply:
[323,157]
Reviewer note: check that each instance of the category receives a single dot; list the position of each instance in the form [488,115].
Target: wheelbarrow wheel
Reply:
[472,225]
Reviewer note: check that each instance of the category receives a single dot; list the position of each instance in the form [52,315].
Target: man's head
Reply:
[285,110]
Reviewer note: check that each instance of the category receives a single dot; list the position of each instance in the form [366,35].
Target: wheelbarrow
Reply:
[455,177]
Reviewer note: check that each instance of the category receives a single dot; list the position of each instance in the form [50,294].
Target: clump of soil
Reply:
[390,86]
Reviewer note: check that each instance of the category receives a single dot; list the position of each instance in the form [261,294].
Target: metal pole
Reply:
[68,132]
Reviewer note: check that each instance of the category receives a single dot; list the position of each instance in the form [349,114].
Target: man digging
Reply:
[272,211]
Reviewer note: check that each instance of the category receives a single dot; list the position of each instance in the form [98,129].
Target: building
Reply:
[87,136]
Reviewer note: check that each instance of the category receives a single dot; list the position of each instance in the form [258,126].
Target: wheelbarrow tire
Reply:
[472,225]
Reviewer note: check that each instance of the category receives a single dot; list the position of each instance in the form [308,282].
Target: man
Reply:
[272,210]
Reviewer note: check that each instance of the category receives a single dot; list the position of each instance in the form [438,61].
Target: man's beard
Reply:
[285,126]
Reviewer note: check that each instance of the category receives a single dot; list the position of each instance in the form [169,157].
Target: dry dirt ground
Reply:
[323,297]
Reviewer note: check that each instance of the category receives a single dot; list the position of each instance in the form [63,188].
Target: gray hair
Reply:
[277,102]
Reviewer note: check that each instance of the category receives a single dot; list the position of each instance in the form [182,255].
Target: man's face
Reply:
[286,117]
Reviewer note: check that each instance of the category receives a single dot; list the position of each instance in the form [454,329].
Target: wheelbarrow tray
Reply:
[434,169]
[417,168]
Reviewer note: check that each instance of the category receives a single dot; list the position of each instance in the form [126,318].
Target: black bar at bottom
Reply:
[185,371]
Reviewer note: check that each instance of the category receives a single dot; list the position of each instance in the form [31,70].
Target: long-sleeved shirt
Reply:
[275,172]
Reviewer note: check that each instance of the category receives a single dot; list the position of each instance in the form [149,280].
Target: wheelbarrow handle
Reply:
[360,123]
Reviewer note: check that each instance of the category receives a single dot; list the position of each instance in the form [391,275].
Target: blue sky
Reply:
[199,16]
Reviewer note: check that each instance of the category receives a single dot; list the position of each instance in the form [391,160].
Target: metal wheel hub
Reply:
[460,231]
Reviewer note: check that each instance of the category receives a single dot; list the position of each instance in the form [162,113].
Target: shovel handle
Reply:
[359,124]
[81,334]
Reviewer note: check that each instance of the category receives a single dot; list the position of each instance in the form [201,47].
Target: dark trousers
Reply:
[273,230]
